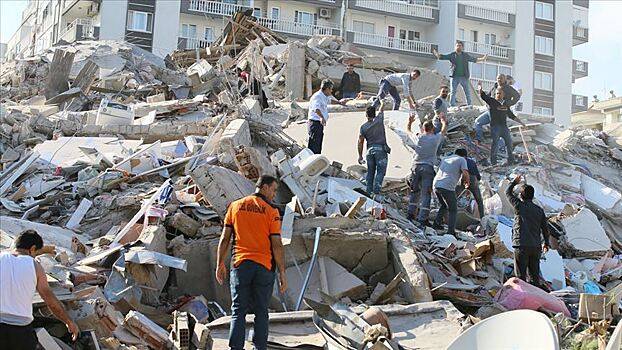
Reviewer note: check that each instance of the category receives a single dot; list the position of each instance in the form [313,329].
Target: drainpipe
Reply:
[344,7]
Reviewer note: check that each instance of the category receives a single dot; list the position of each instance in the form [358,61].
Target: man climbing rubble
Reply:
[255,225]
[318,114]
[530,234]
[21,275]
[450,171]
[459,70]
[474,178]
[422,176]
[389,85]
[378,151]
[350,84]
[499,112]
[511,97]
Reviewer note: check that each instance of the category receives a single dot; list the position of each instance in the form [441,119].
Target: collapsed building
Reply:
[125,163]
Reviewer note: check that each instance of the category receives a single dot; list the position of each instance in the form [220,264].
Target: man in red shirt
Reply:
[255,225]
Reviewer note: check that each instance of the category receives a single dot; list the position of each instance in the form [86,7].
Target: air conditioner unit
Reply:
[325,13]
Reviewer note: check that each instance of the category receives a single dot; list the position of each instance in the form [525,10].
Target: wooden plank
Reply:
[356,207]
[86,76]
[323,277]
[78,215]
[58,79]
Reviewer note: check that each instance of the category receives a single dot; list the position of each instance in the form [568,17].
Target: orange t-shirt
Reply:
[253,221]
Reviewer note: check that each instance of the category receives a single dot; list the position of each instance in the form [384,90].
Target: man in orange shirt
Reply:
[255,225]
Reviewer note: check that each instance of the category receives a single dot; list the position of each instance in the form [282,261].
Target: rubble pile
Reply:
[125,164]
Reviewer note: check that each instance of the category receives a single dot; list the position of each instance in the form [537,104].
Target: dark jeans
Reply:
[501,131]
[421,191]
[447,200]
[377,161]
[387,88]
[251,289]
[17,337]
[316,136]
[527,258]
[477,194]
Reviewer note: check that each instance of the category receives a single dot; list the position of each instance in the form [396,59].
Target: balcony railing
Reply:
[487,85]
[215,7]
[392,43]
[487,14]
[581,32]
[70,33]
[290,27]
[400,7]
[194,43]
[581,66]
[486,49]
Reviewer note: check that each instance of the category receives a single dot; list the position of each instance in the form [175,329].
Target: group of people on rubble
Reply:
[252,224]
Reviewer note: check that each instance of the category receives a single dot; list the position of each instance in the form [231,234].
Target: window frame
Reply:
[130,20]
[542,75]
[363,25]
[578,98]
[544,40]
[188,25]
[205,34]
[542,109]
[278,11]
[543,6]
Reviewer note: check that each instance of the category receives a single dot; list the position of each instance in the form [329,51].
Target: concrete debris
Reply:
[125,163]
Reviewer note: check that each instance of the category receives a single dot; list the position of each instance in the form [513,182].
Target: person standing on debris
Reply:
[441,107]
[389,85]
[511,97]
[459,70]
[350,84]
[530,233]
[377,149]
[318,114]
[499,112]
[449,173]
[255,226]
[21,275]
[422,176]
[474,179]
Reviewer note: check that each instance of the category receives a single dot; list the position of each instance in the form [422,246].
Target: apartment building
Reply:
[531,40]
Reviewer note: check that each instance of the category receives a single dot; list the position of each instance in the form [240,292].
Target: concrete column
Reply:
[295,74]
[113,17]
[166,27]
[524,46]
[562,80]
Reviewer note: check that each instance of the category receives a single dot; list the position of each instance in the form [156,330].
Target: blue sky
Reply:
[603,51]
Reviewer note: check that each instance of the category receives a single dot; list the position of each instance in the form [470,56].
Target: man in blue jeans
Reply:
[377,149]
[459,70]
[424,159]
[499,112]
[255,225]
[389,85]
[511,97]
[451,170]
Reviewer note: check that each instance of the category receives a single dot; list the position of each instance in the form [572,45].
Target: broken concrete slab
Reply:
[221,186]
[584,232]
[406,260]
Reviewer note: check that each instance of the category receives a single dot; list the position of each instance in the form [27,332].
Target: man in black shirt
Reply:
[350,84]
[499,112]
[529,222]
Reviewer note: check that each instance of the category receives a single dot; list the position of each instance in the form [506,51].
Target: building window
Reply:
[544,45]
[414,36]
[461,34]
[489,71]
[209,34]
[542,111]
[257,12]
[140,21]
[275,13]
[579,101]
[363,27]
[474,35]
[490,39]
[543,81]
[305,17]
[544,11]
[188,31]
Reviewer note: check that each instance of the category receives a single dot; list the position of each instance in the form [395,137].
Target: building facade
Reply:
[531,40]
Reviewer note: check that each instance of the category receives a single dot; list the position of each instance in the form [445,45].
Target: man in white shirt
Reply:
[389,85]
[21,276]
[318,114]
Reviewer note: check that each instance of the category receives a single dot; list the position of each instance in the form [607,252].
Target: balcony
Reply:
[397,8]
[376,41]
[323,3]
[579,103]
[486,15]
[296,28]
[192,43]
[487,85]
[215,7]
[579,35]
[579,69]
[581,3]
[79,29]
[500,53]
